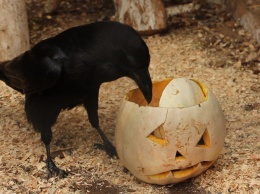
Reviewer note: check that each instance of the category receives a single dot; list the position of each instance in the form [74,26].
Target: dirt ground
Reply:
[206,45]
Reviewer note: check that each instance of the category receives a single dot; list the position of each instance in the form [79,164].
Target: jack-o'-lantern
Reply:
[175,137]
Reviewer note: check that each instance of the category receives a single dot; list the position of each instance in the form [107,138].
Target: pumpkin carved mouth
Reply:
[183,173]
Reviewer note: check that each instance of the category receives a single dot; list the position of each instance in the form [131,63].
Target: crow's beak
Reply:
[144,82]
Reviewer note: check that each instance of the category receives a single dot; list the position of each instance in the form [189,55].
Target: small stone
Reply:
[49,17]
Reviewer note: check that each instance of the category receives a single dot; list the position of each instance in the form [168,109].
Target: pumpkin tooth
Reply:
[159,176]
[185,172]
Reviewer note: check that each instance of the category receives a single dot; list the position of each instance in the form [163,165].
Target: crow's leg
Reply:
[42,113]
[107,146]
[93,119]
[46,136]
[91,105]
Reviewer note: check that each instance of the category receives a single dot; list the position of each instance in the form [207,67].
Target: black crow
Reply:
[67,70]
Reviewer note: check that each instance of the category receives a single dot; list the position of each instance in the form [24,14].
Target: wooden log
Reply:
[250,21]
[181,9]
[145,16]
[244,17]
[14,33]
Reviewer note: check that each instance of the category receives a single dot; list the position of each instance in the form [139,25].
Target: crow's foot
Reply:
[53,170]
[108,148]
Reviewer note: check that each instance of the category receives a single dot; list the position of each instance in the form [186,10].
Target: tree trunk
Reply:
[145,16]
[14,33]
[246,18]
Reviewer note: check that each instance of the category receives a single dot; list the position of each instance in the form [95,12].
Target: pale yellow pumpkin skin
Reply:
[177,136]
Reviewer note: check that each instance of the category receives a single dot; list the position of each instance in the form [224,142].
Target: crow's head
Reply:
[119,52]
[130,66]
[143,80]
[136,68]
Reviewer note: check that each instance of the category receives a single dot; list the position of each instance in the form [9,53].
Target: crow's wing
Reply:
[32,72]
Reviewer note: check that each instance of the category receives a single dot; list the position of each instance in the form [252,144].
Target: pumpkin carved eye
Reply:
[204,141]
[177,136]
[158,136]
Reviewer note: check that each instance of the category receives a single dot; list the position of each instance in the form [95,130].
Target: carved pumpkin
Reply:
[177,136]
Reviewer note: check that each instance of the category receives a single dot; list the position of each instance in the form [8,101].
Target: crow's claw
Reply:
[108,148]
[53,170]
[57,172]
